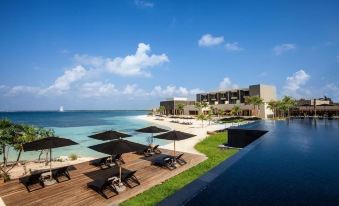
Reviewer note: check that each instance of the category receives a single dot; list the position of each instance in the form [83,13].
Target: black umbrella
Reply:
[151,129]
[119,146]
[174,135]
[48,143]
[109,135]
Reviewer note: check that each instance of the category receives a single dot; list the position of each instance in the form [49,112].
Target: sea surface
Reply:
[78,125]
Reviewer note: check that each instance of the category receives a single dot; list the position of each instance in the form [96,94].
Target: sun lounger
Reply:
[61,172]
[147,152]
[129,179]
[180,160]
[102,162]
[104,186]
[118,159]
[156,149]
[166,161]
[33,180]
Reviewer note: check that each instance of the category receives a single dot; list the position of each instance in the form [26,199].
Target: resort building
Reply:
[316,107]
[225,100]
[170,105]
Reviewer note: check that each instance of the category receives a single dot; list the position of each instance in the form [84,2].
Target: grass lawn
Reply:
[209,147]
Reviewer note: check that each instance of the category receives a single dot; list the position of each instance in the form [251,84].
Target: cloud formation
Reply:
[207,40]
[293,85]
[226,84]
[98,89]
[171,91]
[283,48]
[130,65]
[233,46]
[63,83]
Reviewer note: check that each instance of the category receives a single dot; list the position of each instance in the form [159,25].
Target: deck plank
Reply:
[75,191]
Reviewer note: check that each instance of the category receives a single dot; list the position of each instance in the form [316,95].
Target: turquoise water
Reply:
[78,125]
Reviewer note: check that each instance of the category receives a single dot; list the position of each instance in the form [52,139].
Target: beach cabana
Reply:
[119,146]
[48,143]
[175,136]
[109,135]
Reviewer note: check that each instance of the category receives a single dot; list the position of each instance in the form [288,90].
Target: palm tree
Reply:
[27,134]
[272,105]
[289,103]
[250,101]
[236,110]
[180,107]
[220,112]
[201,117]
[256,101]
[209,117]
[6,138]
[161,109]
[200,106]
[282,108]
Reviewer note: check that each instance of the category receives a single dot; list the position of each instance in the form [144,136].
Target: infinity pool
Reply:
[295,163]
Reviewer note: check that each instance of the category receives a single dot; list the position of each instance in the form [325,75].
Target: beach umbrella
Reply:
[152,130]
[175,136]
[119,146]
[48,143]
[109,135]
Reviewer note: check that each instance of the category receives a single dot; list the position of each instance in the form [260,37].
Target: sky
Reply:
[130,54]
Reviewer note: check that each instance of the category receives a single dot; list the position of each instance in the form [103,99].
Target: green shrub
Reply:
[73,157]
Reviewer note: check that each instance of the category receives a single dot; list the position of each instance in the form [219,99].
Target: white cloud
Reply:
[282,48]
[22,89]
[98,89]
[226,84]
[86,60]
[208,40]
[130,89]
[172,91]
[294,83]
[63,83]
[233,46]
[130,65]
[144,4]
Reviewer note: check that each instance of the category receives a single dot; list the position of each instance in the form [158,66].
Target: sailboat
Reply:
[61,109]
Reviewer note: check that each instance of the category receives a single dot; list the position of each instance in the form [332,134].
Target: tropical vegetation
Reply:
[256,101]
[180,107]
[282,108]
[236,110]
[13,136]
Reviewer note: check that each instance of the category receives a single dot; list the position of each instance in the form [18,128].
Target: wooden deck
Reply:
[75,191]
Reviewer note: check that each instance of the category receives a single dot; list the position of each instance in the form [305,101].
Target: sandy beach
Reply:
[20,170]
[195,128]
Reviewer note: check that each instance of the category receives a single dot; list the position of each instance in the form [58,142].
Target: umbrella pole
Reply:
[50,163]
[174,148]
[119,175]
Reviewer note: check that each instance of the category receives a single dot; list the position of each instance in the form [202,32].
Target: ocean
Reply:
[78,125]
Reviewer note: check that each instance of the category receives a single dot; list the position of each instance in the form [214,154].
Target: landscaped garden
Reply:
[209,147]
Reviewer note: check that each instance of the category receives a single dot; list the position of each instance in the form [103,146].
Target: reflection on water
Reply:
[296,163]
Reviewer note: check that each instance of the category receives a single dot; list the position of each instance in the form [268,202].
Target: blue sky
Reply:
[131,54]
